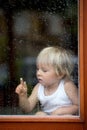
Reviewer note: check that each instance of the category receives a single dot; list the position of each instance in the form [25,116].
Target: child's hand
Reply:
[21,88]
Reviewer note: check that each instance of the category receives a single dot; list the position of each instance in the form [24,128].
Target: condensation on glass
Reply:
[27,26]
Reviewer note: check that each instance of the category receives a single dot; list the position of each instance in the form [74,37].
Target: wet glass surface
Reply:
[27,26]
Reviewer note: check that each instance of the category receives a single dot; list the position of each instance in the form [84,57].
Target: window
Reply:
[27,27]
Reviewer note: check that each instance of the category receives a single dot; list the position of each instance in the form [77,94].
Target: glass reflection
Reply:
[27,26]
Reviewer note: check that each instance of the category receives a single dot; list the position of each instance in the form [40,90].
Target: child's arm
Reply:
[66,110]
[72,93]
[26,103]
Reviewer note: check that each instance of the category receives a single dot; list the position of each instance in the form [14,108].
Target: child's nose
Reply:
[39,72]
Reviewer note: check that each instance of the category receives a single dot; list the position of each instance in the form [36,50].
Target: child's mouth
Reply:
[40,80]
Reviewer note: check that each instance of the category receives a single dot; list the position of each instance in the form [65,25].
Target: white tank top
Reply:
[56,100]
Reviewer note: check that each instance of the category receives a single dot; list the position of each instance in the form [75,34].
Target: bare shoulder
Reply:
[34,93]
[70,84]
[71,89]
[35,89]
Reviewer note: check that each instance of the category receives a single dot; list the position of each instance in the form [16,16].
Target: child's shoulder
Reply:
[68,82]
[35,90]
[69,86]
[36,86]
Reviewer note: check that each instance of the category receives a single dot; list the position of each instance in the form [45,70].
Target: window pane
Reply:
[27,26]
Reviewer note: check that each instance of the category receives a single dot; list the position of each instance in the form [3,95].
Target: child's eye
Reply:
[44,70]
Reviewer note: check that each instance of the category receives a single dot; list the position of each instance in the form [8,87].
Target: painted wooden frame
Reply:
[13,122]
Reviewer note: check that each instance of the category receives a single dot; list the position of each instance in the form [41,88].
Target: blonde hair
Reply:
[59,58]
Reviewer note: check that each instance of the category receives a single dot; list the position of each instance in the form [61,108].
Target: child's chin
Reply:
[42,83]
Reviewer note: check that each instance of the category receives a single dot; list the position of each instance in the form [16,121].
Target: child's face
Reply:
[46,75]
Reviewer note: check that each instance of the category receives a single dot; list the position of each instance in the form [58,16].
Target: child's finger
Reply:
[25,85]
[21,81]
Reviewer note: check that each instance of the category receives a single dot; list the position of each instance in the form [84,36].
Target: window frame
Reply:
[80,118]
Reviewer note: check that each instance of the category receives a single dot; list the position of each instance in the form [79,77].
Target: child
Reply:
[55,91]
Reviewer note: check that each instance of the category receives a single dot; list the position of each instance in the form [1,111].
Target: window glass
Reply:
[27,26]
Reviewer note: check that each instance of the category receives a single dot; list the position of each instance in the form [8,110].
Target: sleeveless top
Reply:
[54,101]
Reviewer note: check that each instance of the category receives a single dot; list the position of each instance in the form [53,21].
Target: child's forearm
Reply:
[67,110]
[24,104]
